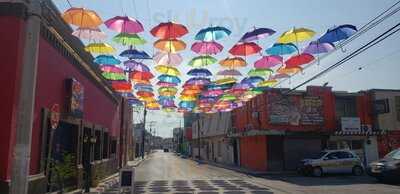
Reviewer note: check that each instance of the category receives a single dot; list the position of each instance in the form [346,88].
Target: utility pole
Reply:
[26,101]
[198,134]
[144,129]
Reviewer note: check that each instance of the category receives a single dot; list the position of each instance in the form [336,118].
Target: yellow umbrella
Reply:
[100,48]
[233,62]
[167,91]
[153,105]
[187,98]
[190,92]
[147,99]
[267,83]
[227,80]
[295,35]
[168,109]
[168,70]
[170,45]
[81,17]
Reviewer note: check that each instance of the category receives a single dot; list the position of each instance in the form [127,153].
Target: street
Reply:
[168,173]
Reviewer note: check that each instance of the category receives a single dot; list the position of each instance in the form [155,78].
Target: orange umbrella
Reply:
[140,81]
[170,45]
[187,92]
[233,62]
[141,75]
[81,17]
[144,94]
[291,70]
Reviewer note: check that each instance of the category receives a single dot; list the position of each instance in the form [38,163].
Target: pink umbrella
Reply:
[212,93]
[90,33]
[207,48]
[166,84]
[162,58]
[268,61]
[111,69]
[280,76]
[133,65]
[229,72]
[124,24]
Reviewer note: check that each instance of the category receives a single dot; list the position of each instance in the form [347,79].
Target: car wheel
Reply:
[317,171]
[358,170]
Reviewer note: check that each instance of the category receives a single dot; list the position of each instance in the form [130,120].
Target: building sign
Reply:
[54,116]
[76,97]
[351,124]
[381,106]
[312,111]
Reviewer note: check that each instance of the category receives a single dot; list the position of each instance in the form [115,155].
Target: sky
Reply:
[378,67]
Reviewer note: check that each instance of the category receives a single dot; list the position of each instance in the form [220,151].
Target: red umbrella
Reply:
[245,49]
[121,86]
[298,60]
[139,75]
[169,30]
[144,94]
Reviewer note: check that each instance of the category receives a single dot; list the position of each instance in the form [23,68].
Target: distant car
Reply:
[386,169]
[332,161]
[166,150]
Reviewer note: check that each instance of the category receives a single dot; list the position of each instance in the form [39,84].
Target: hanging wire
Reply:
[69,3]
[134,8]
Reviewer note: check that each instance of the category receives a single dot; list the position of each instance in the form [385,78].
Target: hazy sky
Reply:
[380,64]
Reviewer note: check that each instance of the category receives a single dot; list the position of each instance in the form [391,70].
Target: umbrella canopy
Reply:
[167,89]
[145,94]
[106,59]
[139,86]
[113,76]
[242,86]
[280,76]
[212,33]
[169,79]
[229,72]
[124,24]
[338,33]
[166,84]
[289,70]
[190,92]
[90,33]
[282,49]
[212,93]
[192,87]
[121,86]
[133,65]
[146,89]
[164,58]
[169,30]
[202,61]
[139,75]
[168,70]
[129,39]
[245,49]
[229,80]
[227,97]
[99,48]
[256,34]
[260,72]
[111,69]
[81,17]
[167,93]
[198,81]
[252,80]
[134,54]
[200,72]
[267,83]
[187,98]
[170,45]
[207,48]
[316,47]
[233,62]
[141,81]
[268,61]
[295,35]
[298,60]
[187,104]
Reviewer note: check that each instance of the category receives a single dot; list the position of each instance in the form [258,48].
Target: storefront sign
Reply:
[351,124]
[312,110]
[76,98]
[54,116]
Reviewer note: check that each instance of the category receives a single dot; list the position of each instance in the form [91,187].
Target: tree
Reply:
[63,170]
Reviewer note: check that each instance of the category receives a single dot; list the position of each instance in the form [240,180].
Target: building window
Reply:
[397,104]
[105,145]
[346,107]
[97,145]
[113,149]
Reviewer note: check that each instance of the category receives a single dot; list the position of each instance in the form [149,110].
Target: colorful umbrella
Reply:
[233,62]
[169,79]
[190,92]
[139,86]
[296,35]
[168,89]
[133,65]
[252,80]
[227,97]
[187,98]
[212,33]
[282,49]
[129,39]
[212,93]
[113,76]
[81,17]
[100,48]
[256,34]
[106,59]
[267,83]
[229,72]
[111,69]
[228,80]
[245,49]
[169,30]
[298,60]
[198,81]
[166,84]
[163,58]
[280,76]
[290,70]
[192,87]
[90,34]
[338,33]
[145,89]
[207,48]
[121,86]
[260,72]
[139,75]
[187,104]
[144,94]
[202,61]
[242,86]
[134,54]
[170,45]
[124,24]
[268,61]
[141,81]
[201,72]
[316,47]
[168,70]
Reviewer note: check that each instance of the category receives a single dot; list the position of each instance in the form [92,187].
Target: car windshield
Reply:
[395,154]
[318,155]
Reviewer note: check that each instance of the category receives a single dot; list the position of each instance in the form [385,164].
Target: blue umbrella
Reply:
[187,104]
[144,89]
[281,49]
[256,34]
[212,33]
[338,33]
[215,86]
[199,72]
[252,80]
[169,78]
[198,81]
[106,59]
[134,54]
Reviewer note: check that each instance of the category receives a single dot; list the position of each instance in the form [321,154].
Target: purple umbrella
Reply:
[268,61]
[162,58]
[201,72]
[206,48]
[316,47]
[256,34]
[124,24]
[198,81]
[241,86]
[229,72]
[133,65]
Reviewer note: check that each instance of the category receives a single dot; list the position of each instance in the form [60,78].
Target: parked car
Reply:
[166,150]
[332,161]
[386,169]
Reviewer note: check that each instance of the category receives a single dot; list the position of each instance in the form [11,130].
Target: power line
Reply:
[69,3]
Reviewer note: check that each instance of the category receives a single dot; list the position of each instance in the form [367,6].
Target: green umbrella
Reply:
[227,97]
[202,61]
[113,76]
[129,39]
[260,72]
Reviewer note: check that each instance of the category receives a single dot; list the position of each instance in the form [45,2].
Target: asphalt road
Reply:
[168,173]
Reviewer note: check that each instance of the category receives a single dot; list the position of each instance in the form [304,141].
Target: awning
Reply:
[359,133]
